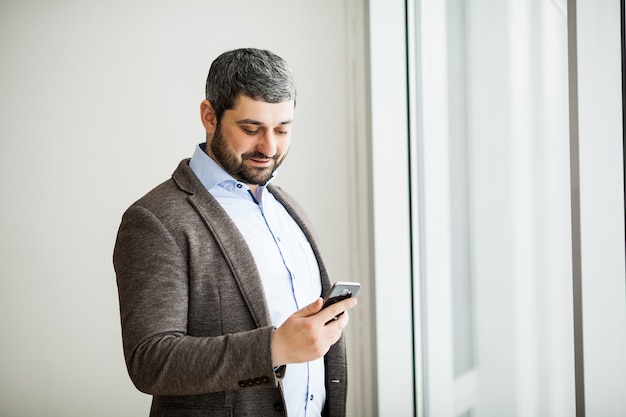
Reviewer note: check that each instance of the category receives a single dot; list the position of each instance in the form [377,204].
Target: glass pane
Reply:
[514,109]
[505,111]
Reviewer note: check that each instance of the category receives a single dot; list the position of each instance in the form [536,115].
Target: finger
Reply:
[311,309]
[332,311]
[336,326]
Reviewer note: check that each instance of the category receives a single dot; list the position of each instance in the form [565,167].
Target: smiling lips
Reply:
[258,158]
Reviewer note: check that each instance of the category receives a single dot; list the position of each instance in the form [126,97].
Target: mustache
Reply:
[259,155]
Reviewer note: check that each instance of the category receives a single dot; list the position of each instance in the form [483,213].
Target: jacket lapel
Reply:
[230,241]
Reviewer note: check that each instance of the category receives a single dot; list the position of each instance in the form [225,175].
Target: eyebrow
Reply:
[257,123]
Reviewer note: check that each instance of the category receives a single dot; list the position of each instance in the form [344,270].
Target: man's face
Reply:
[252,139]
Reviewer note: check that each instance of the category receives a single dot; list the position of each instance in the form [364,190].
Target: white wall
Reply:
[99,102]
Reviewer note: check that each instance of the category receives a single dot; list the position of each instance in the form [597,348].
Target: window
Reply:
[488,143]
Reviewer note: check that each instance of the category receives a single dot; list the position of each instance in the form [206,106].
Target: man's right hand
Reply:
[310,332]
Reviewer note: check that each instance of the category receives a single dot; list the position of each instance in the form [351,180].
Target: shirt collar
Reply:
[211,174]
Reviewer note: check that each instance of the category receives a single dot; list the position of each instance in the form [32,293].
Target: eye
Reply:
[282,132]
[250,131]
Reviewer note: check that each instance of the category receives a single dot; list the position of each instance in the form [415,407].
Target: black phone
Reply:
[340,291]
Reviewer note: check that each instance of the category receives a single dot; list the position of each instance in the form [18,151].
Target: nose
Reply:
[267,144]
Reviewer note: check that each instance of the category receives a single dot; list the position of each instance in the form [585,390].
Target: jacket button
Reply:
[278,406]
[265,380]
[242,384]
[250,382]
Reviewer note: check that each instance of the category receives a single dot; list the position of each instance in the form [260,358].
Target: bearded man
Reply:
[219,273]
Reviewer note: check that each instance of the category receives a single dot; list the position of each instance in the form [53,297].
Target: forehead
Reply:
[271,114]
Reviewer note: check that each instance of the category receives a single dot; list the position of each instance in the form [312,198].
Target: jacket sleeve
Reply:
[162,359]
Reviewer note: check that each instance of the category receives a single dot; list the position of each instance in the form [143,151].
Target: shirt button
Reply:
[311,397]
[239,185]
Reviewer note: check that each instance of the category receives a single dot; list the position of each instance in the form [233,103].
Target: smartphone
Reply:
[340,291]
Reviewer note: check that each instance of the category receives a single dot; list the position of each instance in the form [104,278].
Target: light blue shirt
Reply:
[286,263]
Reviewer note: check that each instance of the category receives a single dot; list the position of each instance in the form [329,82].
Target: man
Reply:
[219,273]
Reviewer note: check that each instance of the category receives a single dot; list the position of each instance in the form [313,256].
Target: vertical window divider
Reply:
[575,208]
[417,273]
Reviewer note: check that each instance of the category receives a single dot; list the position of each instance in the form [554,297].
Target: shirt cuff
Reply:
[280,371]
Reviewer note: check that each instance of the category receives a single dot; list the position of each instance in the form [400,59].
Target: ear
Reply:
[207,115]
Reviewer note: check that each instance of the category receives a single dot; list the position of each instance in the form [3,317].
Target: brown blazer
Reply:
[196,327]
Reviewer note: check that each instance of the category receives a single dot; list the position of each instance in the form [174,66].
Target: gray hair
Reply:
[255,73]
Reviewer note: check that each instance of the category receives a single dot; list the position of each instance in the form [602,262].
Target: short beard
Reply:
[236,166]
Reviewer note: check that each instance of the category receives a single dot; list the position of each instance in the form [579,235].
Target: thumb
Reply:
[311,309]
